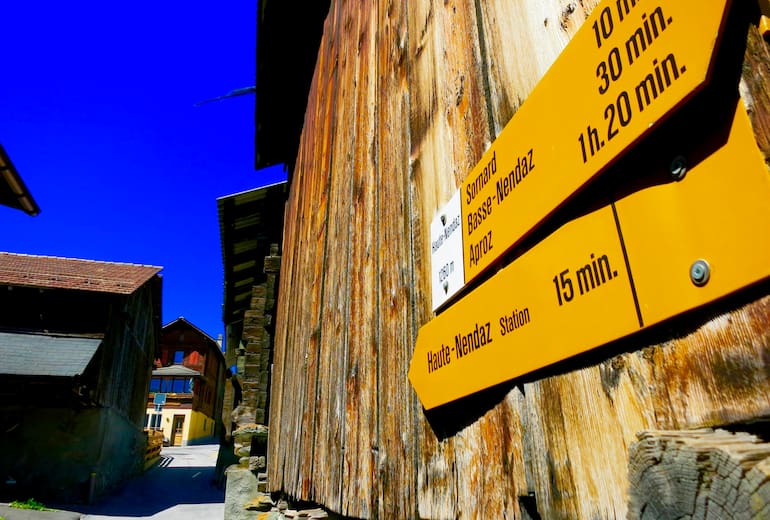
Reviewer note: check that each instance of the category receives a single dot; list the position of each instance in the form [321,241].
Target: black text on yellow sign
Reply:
[629,66]
[606,275]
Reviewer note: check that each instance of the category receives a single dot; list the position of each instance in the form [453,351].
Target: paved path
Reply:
[179,487]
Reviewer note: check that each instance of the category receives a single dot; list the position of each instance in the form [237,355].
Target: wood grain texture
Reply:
[581,422]
[298,315]
[430,183]
[522,39]
[361,413]
[396,449]
[489,455]
[578,429]
[717,374]
[755,86]
[449,131]
[275,473]
[335,298]
[406,98]
[705,474]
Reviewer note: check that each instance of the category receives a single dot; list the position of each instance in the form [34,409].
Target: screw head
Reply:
[700,272]
[678,167]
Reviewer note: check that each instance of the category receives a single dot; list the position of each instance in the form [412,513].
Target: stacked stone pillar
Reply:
[251,415]
[254,364]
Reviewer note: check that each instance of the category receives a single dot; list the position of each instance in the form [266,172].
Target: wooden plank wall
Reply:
[405,99]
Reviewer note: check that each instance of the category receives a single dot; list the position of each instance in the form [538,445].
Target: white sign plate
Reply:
[446,244]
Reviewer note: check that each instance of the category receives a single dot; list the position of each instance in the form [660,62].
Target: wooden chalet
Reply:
[187,386]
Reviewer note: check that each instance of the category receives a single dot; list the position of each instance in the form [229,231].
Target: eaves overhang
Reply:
[249,223]
[285,71]
[13,191]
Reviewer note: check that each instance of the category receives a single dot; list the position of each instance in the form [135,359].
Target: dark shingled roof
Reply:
[45,355]
[70,273]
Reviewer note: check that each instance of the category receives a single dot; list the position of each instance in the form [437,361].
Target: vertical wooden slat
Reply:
[580,452]
[481,450]
[278,428]
[378,162]
[522,39]
[301,308]
[396,448]
[431,183]
[756,85]
[317,206]
[335,310]
[285,388]
[360,415]
[288,378]
[553,481]
[489,455]
[449,134]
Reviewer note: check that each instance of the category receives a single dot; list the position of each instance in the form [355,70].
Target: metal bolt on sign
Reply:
[700,272]
[678,167]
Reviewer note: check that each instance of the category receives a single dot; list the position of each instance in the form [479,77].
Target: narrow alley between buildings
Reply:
[181,485]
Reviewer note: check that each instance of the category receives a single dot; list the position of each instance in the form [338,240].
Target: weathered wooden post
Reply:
[710,474]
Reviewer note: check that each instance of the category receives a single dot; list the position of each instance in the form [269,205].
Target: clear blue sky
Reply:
[97,113]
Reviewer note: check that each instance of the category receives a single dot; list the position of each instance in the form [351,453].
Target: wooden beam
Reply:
[706,474]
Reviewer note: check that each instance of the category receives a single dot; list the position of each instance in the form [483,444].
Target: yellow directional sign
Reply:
[650,256]
[629,66]
[529,315]
[719,213]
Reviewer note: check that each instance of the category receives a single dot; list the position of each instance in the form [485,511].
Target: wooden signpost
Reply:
[630,65]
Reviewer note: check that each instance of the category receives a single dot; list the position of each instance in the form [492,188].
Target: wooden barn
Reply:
[77,343]
[525,258]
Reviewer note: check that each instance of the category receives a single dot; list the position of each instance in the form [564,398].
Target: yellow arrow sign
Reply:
[629,66]
[607,274]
